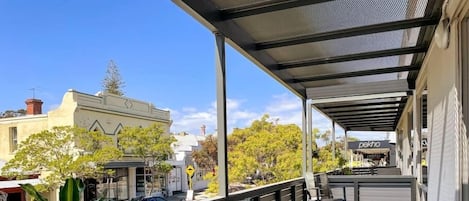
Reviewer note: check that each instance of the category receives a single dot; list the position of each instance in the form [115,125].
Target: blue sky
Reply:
[163,54]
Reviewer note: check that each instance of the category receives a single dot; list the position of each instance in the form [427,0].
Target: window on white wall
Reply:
[13,139]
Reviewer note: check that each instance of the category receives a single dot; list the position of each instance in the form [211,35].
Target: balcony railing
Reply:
[373,187]
[346,187]
[287,190]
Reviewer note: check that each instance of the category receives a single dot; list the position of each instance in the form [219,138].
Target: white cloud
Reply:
[191,119]
[189,109]
[284,103]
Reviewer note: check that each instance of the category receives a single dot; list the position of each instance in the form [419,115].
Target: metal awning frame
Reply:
[391,92]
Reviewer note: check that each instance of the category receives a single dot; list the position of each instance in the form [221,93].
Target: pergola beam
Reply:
[352,57]
[363,114]
[356,73]
[364,110]
[390,123]
[359,105]
[350,32]
[360,97]
[340,118]
[265,7]
[370,119]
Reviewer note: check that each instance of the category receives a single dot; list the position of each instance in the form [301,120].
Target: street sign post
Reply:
[190,172]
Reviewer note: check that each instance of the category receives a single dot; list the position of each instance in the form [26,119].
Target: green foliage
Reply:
[113,83]
[60,153]
[324,161]
[268,152]
[31,191]
[71,190]
[213,181]
[152,144]
[265,151]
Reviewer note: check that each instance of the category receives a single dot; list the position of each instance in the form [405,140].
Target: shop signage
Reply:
[369,144]
[372,144]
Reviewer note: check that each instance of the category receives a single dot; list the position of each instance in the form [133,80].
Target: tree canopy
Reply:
[12,113]
[267,152]
[206,157]
[152,144]
[113,82]
[62,152]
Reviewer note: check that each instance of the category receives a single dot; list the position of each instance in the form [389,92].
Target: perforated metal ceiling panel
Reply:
[322,49]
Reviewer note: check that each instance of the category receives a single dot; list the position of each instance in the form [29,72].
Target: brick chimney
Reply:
[33,106]
[202,130]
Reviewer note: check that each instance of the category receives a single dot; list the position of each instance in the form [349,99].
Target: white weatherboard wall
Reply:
[440,76]
[443,160]
[404,141]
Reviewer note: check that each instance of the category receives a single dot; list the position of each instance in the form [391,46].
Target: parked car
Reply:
[149,198]
[154,198]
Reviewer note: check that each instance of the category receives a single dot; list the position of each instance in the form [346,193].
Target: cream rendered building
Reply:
[103,112]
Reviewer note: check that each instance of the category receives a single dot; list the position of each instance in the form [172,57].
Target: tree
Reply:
[152,144]
[326,136]
[12,113]
[113,83]
[206,157]
[265,152]
[61,153]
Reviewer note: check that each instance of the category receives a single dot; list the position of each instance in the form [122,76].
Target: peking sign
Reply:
[372,144]
[369,144]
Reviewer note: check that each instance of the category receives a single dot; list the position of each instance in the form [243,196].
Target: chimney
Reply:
[33,106]
[202,130]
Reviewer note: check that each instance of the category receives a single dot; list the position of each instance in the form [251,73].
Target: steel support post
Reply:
[417,138]
[221,115]
[309,150]
[333,140]
[346,145]
[304,139]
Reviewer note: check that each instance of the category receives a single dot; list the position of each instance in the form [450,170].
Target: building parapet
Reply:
[122,104]
[23,118]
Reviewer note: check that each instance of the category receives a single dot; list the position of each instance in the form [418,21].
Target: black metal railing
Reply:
[287,190]
[373,187]
[334,185]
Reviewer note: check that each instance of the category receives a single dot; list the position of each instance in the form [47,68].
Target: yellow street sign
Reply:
[190,170]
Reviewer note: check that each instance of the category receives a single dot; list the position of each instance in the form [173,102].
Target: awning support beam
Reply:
[363,110]
[344,33]
[352,57]
[356,73]
[365,117]
[360,105]
[265,7]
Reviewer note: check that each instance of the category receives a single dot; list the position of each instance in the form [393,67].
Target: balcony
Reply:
[338,187]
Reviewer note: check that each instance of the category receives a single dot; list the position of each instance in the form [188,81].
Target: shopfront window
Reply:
[154,183]
[114,186]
